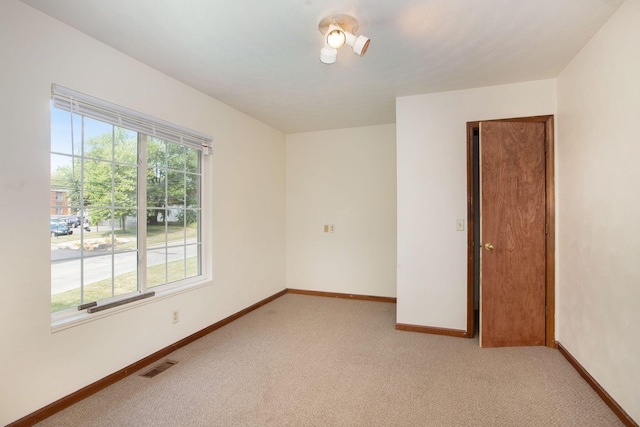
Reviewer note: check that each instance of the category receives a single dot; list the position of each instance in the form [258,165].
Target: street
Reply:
[65,264]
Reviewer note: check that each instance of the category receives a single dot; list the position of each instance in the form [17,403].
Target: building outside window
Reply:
[58,202]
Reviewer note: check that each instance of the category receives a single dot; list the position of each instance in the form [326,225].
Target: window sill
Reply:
[82,317]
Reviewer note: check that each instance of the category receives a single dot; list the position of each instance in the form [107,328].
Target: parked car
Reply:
[74,221]
[59,228]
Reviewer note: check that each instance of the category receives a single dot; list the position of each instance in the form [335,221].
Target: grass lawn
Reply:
[125,283]
[127,239]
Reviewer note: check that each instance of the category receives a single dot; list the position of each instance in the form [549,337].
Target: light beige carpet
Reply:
[313,361]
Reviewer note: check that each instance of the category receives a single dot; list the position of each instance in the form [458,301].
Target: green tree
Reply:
[156,180]
[167,179]
[108,175]
[112,176]
[109,178]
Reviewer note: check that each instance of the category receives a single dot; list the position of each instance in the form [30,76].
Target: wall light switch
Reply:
[460,225]
[326,228]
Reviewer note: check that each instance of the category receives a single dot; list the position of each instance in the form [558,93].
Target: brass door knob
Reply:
[488,246]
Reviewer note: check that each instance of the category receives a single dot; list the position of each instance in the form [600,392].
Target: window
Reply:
[132,188]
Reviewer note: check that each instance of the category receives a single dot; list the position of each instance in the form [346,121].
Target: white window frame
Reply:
[78,103]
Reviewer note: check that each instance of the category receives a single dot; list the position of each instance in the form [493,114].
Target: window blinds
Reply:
[79,103]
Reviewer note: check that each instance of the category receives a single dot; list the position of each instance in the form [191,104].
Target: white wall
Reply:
[347,178]
[432,193]
[599,227]
[248,182]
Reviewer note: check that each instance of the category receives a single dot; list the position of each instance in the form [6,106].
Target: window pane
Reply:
[99,220]
[192,264]
[192,190]
[61,131]
[97,183]
[65,280]
[125,186]
[175,189]
[193,223]
[175,264]
[65,181]
[193,160]
[98,139]
[99,147]
[175,156]
[173,247]
[156,227]
[156,155]
[97,274]
[175,227]
[109,275]
[61,170]
[125,230]
[156,267]
[125,279]
[125,149]
[156,187]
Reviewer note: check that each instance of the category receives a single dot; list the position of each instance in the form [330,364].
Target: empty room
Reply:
[413,213]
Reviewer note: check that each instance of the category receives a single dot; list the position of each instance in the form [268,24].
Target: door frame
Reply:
[549,219]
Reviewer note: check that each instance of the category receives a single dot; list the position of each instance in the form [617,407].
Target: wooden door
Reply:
[512,234]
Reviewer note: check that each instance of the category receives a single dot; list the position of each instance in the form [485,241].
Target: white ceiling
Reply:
[262,57]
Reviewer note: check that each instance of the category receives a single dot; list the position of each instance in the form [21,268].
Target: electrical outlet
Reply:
[176,316]
[332,228]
